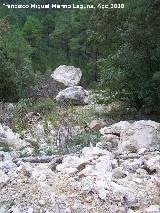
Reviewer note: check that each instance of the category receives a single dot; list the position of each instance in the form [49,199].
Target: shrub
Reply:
[82,140]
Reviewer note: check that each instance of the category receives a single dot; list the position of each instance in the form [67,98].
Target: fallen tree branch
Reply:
[43,159]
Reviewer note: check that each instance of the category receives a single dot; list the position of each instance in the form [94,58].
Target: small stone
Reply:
[152,164]
[67,210]
[96,125]
[88,199]
[142,151]
[102,193]
[103,164]
[118,173]
[41,202]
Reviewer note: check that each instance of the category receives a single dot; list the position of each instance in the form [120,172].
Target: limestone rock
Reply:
[152,164]
[103,164]
[74,95]
[67,75]
[96,125]
[141,134]
[109,141]
[71,164]
[118,173]
[132,165]
[127,182]
[115,128]
[41,202]
[91,153]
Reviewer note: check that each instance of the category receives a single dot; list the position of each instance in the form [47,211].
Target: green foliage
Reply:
[23,154]
[11,203]
[86,115]
[5,147]
[20,53]
[24,106]
[129,69]
[19,122]
[7,68]
[50,151]
[82,140]
[43,105]
[32,31]
[119,112]
[15,66]
[35,146]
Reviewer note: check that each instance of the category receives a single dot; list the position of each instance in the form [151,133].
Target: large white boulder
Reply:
[75,95]
[144,134]
[67,75]
[141,134]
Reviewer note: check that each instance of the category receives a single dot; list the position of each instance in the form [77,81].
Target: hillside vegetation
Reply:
[117,49]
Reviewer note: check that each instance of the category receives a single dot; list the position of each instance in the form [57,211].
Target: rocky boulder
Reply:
[75,95]
[141,134]
[67,75]
[116,128]
[144,134]
[111,135]
[96,125]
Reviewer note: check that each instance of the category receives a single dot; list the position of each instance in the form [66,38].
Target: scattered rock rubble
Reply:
[93,181]
[144,134]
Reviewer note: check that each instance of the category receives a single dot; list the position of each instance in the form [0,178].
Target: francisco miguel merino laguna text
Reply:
[47,6]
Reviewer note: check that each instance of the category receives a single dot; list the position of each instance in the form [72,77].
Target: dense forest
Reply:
[118,50]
